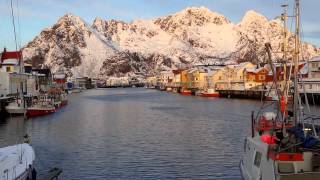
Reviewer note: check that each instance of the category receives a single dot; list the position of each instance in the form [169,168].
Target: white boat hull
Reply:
[15,161]
[15,110]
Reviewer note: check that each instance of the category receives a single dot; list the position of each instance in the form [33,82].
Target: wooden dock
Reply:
[242,94]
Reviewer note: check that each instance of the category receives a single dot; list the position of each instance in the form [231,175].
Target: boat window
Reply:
[257,159]
[285,168]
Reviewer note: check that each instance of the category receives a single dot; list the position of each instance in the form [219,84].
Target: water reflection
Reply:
[138,134]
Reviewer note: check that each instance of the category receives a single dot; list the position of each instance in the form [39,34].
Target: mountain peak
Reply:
[198,13]
[253,16]
[69,17]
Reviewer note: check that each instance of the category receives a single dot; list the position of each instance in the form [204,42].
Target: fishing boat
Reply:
[41,107]
[186,92]
[16,108]
[280,146]
[210,93]
[16,162]
[40,110]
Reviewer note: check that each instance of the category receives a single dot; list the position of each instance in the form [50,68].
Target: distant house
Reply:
[60,80]
[165,78]
[256,78]
[311,83]
[10,61]
[198,78]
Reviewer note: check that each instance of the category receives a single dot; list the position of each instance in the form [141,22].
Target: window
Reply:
[257,159]
[8,68]
[310,86]
[262,77]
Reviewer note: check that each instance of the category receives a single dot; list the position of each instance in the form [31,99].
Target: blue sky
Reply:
[35,15]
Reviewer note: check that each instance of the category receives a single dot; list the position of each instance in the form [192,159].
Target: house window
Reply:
[8,68]
[314,65]
[257,159]
[310,86]
[262,77]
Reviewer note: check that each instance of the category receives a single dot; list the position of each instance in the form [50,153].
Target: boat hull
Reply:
[186,93]
[210,95]
[40,112]
[9,161]
[16,111]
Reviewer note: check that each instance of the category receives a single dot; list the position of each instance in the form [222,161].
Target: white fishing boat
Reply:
[15,108]
[281,145]
[15,162]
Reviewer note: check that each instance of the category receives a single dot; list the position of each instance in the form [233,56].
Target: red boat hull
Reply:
[186,93]
[39,112]
[210,95]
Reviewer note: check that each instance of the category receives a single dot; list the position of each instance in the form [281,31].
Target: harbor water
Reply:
[138,134]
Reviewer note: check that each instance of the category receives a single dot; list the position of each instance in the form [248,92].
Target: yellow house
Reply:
[222,78]
[198,78]
[185,81]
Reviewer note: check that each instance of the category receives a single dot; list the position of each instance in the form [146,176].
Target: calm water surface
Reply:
[138,134]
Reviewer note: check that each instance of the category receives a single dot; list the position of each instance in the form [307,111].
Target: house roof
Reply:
[255,70]
[11,55]
[315,59]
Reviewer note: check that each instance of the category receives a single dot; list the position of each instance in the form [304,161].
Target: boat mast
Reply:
[284,18]
[296,107]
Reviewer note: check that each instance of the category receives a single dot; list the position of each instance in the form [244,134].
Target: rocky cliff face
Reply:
[145,47]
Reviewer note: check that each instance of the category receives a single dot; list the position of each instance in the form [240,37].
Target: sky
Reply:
[32,16]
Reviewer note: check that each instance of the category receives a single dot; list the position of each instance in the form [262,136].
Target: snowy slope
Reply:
[145,47]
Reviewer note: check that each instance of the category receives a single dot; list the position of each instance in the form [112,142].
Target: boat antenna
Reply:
[296,108]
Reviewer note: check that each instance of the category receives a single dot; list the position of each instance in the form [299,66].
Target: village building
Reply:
[165,78]
[198,78]
[311,83]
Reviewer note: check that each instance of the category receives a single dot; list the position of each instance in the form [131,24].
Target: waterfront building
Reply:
[60,80]
[311,83]
[198,78]
[256,78]
[177,78]
[232,77]
[118,82]
[165,78]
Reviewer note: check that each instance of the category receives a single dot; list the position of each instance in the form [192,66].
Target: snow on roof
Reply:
[255,70]
[317,58]
[10,61]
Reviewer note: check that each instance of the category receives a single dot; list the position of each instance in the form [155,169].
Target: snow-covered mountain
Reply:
[192,36]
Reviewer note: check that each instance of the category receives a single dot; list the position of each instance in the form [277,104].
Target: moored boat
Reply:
[16,162]
[280,146]
[36,111]
[43,106]
[15,108]
[186,92]
[209,93]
